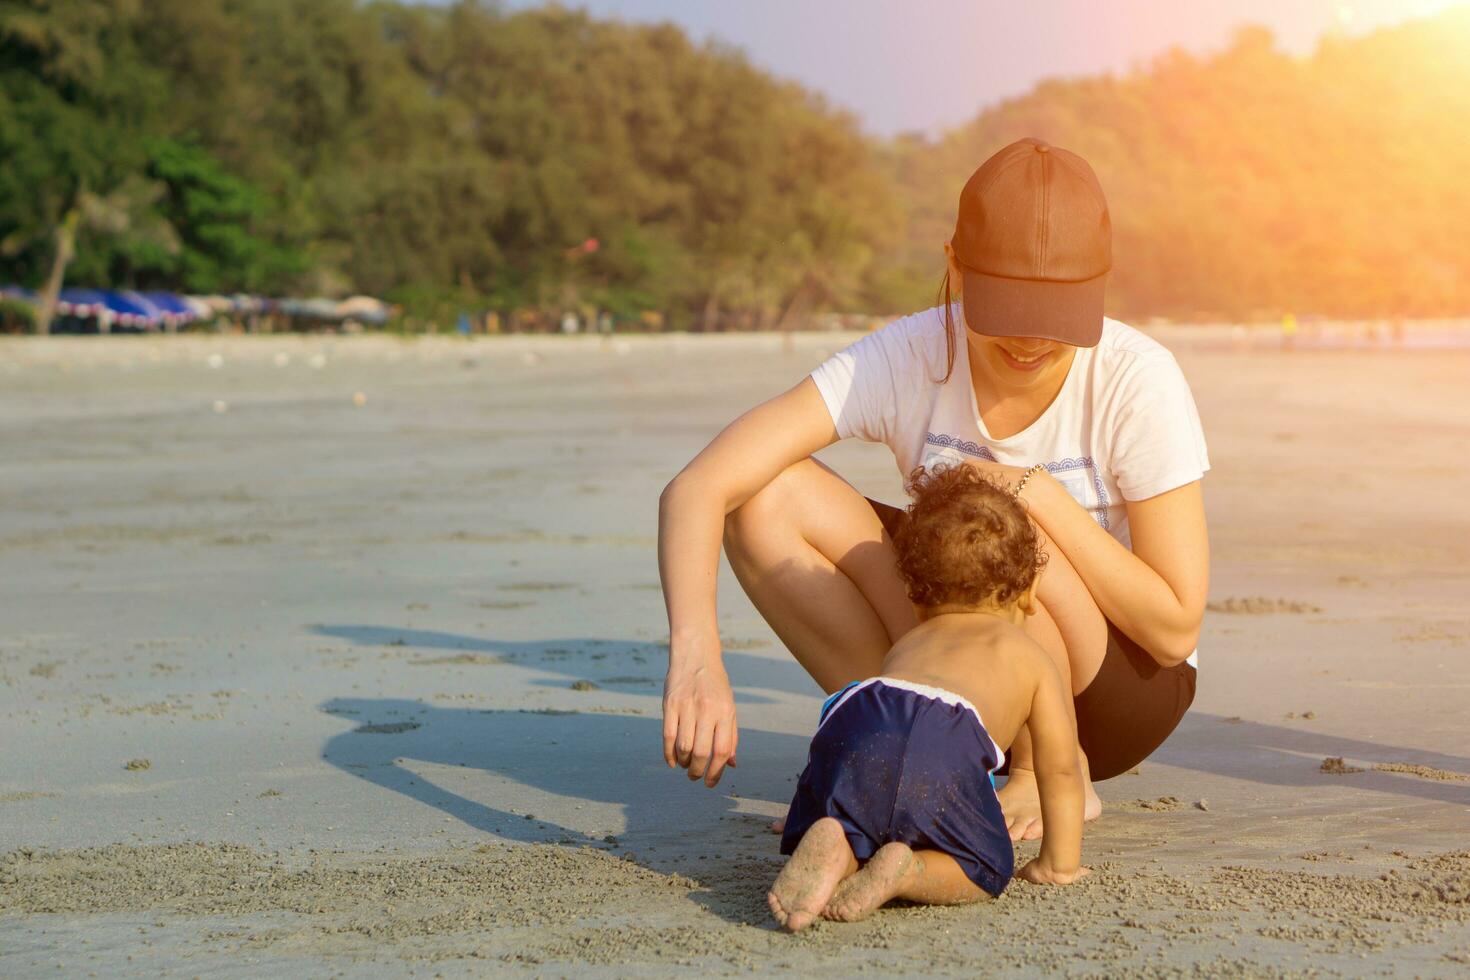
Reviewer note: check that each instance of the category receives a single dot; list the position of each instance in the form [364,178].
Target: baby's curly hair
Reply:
[965,541]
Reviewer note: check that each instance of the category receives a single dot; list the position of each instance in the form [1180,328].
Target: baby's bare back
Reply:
[989,662]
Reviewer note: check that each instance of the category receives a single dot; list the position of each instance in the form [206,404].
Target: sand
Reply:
[394,663]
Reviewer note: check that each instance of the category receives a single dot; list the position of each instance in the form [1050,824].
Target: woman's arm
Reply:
[700,732]
[1154,593]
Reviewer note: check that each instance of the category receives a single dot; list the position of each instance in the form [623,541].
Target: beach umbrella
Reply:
[133,309]
[315,308]
[364,308]
[200,307]
[175,308]
[245,303]
[82,303]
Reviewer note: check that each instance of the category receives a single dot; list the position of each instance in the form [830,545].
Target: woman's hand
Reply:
[1039,873]
[700,733]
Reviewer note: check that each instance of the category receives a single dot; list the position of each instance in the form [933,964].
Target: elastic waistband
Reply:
[830,706]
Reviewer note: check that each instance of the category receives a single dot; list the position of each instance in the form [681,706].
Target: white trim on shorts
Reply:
[923,690]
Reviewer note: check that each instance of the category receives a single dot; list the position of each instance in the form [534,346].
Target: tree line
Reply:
[466,156]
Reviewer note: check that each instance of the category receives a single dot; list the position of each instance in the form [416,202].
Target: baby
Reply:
[897,799]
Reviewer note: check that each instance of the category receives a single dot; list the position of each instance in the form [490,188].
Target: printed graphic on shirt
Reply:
[1077,474]
[953,449]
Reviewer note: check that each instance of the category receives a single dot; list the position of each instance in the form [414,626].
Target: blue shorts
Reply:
[895,761]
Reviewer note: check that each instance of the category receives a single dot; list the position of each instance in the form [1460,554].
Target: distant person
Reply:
[897,799]
[1021,377]
[1288,331]
[569,322]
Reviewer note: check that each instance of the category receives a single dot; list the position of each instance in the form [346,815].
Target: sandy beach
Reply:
[343,656]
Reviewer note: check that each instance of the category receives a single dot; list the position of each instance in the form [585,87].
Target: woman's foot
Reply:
[1022,805]
[873,885]
[806,884]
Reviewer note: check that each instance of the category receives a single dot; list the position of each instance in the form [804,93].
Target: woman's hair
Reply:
[949,337]
[965,541]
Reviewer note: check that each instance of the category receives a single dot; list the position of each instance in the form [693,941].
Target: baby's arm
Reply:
[1058,779]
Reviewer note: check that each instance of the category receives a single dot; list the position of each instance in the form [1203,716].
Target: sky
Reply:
[930,65]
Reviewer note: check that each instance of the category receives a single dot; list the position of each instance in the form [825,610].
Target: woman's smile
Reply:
[1017,361]
[1023,362]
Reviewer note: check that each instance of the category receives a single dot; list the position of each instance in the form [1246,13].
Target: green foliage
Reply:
[322,145]
[1250,183]
[16,315]
[219,218]
[75,94]
[457,156]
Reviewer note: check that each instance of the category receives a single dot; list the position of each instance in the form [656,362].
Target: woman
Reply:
[1091,423]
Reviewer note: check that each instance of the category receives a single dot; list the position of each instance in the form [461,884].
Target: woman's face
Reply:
[1014,363]
[1020,362]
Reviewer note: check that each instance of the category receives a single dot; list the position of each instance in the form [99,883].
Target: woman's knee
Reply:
[767,511]
[1075,623]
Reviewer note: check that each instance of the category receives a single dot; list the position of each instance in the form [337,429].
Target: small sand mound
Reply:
[1163,803]
[459,659]
[1423,772]
[1336,766]
[24,795]
[1261,605]
[387,728]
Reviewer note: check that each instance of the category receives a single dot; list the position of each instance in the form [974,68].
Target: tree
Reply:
[73,110]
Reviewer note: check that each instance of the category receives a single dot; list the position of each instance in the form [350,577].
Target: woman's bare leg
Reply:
[814,559]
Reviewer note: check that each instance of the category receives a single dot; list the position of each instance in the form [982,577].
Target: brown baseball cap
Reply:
[1034,245]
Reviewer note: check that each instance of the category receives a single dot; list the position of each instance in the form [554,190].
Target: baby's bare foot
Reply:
[863,893]
[805,885]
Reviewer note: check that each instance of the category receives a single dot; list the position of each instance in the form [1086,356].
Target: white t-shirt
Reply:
[1123,427]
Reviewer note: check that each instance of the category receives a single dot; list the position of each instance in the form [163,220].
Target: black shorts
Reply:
[1132,705]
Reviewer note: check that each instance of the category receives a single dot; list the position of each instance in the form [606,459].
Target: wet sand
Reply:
[344,656]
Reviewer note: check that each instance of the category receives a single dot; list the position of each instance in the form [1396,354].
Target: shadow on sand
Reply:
[631,665]
[1275,755]
[615,759]
[670,824]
